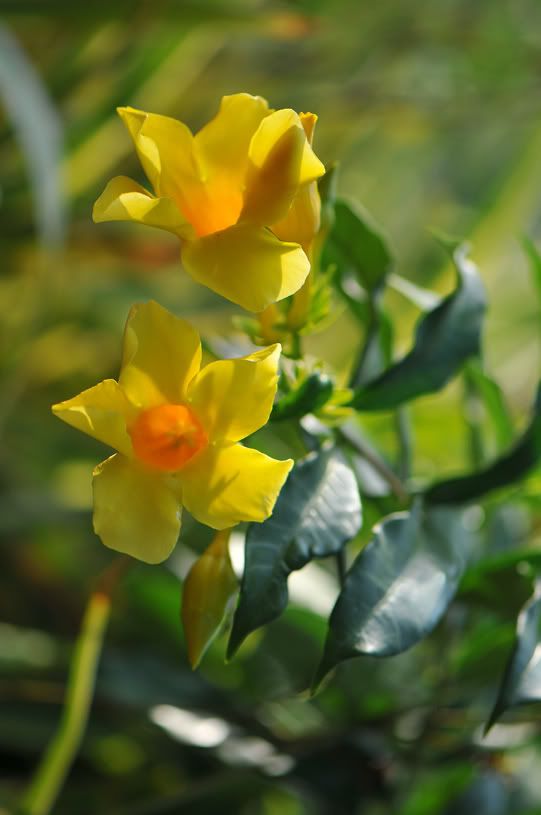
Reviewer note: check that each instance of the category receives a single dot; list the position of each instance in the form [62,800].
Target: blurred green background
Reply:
[433,110]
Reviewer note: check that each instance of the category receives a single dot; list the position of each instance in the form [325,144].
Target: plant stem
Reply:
[296,346]
[403,431]
[61,751]
[473,412]
[358,374]
[396,485]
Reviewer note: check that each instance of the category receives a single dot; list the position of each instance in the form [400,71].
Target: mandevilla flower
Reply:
[176,429]
[221,191]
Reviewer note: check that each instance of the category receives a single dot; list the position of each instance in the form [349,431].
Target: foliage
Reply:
[406,398]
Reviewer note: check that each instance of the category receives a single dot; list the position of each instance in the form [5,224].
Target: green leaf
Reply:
[356,247]
[492,398]
[505,470]
[317,512]
[398,587]
[38,126]
[521,681]
[312,393]
[327,185]
[444,339]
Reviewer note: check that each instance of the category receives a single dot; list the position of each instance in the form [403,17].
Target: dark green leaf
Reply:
[356,247]
[521,682]
[493,401]
[444,339]
[318,511]
[398,587]
[311,394]
[327,192]
[507,469]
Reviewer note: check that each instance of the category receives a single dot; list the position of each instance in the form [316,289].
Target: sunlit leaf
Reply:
[318,511]
[311,394]
[38,126]
[398,587]
[444,339]
[356,247]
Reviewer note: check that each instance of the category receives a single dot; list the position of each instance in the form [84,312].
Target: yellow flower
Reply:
[303,219]
[221,191]
[176,429]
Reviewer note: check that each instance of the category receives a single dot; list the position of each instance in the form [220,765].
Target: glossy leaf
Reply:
[398,587]
[444,339]
[208,590]
[356,247]
[318,511]
[507,469]
[521,682]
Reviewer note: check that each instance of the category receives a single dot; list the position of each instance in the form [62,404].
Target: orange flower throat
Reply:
[166,437]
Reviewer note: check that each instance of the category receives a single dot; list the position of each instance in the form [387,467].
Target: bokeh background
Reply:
[433,111]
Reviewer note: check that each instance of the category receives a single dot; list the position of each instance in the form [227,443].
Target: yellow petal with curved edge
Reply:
[280,161]
[303,219]
[227,484]
[135,512]
[125,200]
[233,397]
[248,265]
[208,590]
[161,355]
[223,143]
[165,149]
[101,412]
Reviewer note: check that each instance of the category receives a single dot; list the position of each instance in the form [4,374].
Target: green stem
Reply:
[61,751]
[296,346]
[473,415]
[405,454]
[358,376]
[366,452]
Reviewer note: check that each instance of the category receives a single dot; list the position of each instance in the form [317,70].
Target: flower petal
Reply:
[247,265]
[135,512]
[125,200]
[161,354]
[230,483]
[223,143]
[233,398]
[165,149]
[102,412]
[281,160]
